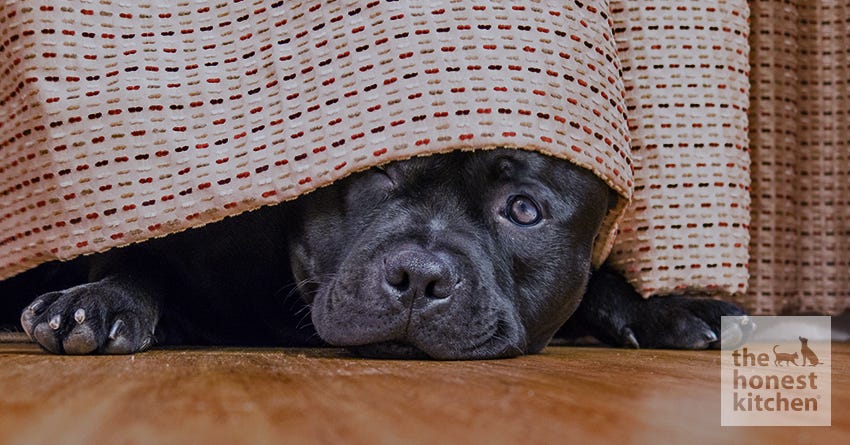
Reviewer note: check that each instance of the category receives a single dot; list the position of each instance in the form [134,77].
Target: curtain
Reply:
[799,136]
[124,121]
[701,85]
[685,70]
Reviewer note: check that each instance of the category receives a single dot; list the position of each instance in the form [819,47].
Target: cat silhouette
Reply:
[784,357]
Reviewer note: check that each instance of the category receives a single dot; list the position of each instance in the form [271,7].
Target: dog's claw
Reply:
[629,338]
[27,322]
[119,343]
[55,322]
[113,333]
[736,334]
[35,306]
[80,315]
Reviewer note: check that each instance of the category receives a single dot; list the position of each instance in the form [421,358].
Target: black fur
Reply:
[419,258]
[614,313]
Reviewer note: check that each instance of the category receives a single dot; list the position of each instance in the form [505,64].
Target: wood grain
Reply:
[326,396]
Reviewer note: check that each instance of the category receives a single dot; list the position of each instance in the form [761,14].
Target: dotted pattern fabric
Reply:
[685,66]
[124,121]
[800,136]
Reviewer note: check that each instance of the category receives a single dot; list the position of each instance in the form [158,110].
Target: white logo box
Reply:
[781,374]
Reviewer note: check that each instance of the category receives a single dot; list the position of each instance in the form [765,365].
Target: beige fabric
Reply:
[800,135]
[57,102]
[685,67]
[123,121]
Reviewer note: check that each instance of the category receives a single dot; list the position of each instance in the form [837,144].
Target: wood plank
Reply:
[259,396]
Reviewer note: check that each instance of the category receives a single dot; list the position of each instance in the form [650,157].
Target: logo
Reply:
[776,371]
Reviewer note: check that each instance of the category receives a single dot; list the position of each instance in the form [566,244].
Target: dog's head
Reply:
[456,256]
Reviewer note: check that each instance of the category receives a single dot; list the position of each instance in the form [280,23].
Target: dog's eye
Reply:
[523,211]
[381,172]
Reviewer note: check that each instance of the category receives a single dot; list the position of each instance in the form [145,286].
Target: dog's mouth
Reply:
[417,304]
[390,350]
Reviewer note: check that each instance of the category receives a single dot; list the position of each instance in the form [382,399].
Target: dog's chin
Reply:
[382,337]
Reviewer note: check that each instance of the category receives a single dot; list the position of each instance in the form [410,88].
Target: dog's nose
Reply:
[418,273]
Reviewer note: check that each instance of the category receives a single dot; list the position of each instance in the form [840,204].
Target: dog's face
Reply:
[457,256]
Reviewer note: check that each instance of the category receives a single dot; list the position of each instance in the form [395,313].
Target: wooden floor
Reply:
[258,396]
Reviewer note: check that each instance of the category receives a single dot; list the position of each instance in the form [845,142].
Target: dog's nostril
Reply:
[421,273]
[434,287]
[398,279]
[431,291]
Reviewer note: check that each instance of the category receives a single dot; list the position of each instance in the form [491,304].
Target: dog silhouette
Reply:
[784,357]
[807,353]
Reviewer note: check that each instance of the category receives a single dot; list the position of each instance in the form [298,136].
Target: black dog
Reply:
[457,256]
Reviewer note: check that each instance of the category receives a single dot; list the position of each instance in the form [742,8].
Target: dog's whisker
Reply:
[293,288]
[305,321]
[299,287]
[313,336]
[302,311]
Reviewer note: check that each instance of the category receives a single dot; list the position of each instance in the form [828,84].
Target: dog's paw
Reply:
[679,322]
[101,317]
[614,313]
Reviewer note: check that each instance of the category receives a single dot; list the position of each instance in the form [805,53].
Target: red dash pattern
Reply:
[686,71]
[124,121]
